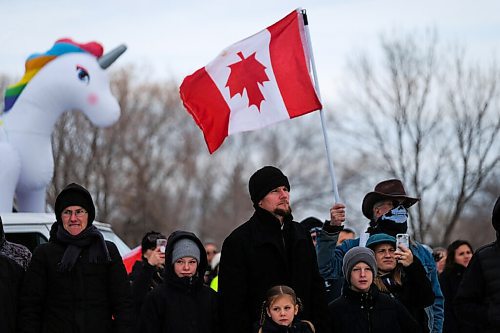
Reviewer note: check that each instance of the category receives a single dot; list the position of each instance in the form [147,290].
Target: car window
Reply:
[122,247]
[28,239]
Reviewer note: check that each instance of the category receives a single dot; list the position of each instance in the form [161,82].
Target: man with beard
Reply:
[269,249]
[387,209]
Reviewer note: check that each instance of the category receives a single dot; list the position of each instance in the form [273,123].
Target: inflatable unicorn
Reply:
[69,76]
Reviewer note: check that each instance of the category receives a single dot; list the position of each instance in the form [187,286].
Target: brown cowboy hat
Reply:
[387,190]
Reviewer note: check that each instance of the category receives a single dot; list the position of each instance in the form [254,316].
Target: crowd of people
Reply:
[272,274]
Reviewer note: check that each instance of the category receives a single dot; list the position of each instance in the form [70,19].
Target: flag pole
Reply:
[321,113]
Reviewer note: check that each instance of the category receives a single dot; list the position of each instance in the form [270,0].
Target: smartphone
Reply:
[403,239]
[162,244]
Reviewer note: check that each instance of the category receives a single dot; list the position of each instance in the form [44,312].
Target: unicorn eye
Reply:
[82,74]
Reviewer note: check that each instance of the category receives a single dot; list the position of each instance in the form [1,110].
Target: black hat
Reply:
[264,181]
[310,223]
[391,189]
[495,215]
[74,195]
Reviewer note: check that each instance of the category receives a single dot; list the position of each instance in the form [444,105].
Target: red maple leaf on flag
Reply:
[247,74]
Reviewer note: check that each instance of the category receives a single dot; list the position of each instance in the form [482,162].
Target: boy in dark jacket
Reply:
[182,304]
[362,308]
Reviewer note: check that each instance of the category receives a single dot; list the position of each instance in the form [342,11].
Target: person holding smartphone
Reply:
[362,307]
[402,276]
[387,208]
[148,273]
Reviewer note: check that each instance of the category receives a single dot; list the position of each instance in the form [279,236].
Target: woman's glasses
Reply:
[78,213]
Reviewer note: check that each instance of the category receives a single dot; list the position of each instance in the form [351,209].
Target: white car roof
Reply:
[39,218]
[25,220]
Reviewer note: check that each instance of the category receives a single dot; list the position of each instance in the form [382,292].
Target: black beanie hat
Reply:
[311,222]
[264,181]
[495,215]
[74,195]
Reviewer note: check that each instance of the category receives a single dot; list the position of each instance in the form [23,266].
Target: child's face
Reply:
[361,277]
[185,267]
[282,310]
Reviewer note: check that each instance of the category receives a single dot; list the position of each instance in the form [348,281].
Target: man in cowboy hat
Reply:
[387,209]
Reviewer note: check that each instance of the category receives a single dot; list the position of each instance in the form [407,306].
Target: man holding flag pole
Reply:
[254,83]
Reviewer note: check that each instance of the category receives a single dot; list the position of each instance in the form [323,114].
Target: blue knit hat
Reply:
[380,239]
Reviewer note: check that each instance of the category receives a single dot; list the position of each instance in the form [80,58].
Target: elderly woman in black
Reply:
[77,281]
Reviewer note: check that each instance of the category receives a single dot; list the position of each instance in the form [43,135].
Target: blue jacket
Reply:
[330,259]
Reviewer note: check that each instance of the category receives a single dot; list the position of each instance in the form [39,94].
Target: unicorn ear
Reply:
[107,59]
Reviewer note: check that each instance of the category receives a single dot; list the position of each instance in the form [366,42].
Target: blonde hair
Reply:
[396,276]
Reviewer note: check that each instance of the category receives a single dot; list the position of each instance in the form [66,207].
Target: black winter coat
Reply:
[143,279]
[261,254]
[11,276]
[415,293]
[83,300]
[477,302]
[297,326]
[372,312]
[180,305]
[450,280]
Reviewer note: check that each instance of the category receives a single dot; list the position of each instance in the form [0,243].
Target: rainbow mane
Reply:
[36,61]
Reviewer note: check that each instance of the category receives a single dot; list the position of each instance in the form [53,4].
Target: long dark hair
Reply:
[452,248]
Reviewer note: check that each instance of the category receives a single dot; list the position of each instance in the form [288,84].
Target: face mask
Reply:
[393,222]
[396,215]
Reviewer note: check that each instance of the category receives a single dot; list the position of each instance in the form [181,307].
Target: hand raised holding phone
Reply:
[403,252]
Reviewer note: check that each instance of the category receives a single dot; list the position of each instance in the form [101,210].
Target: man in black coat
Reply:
[477,302]
[269,249]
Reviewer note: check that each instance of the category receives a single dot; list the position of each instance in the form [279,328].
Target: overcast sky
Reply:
[174,38]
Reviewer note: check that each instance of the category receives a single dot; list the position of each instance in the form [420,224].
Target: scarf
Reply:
[19,253]
[393,222]
[91,237]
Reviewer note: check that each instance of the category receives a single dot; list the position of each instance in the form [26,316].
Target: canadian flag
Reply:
[254,83]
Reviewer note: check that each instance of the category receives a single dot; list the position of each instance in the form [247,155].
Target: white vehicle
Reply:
[32,229]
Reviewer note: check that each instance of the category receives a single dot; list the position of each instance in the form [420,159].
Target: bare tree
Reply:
[433,125]
[152,169]
[475,222]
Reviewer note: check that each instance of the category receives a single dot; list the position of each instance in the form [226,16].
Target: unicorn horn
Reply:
[106,60]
